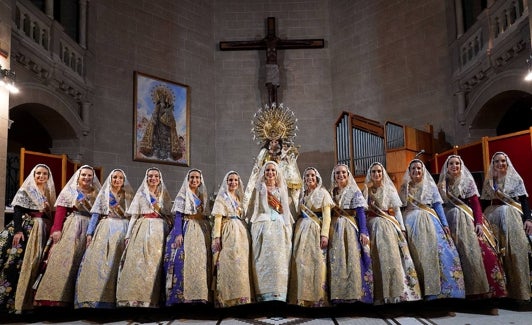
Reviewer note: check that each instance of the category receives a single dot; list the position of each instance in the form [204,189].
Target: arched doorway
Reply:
[35,127]
[507,112]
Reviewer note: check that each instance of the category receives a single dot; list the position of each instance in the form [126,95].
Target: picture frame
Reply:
[161,125]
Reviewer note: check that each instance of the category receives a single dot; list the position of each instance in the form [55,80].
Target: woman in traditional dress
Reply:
[394,272]
[231,245]
[308,274]
[96,284]
[271,235]
[509,214]
[187,258]
[139,275]
[23,240]
[476,244]
[432,249]
[351,276]
[72,215]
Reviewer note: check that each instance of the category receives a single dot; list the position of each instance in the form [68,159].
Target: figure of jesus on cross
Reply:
[271,43]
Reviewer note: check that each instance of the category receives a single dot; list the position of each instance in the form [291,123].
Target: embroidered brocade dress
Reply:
[507,225]
[19,266]
[232,268]
[140,272]
[96,284]
[434,254]
[351,275]
[308,273]
[271,238]
[483,274]
[394,273]
[188,268]
[58,283]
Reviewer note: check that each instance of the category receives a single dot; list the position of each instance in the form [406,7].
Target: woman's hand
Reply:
[364,239]
[447,230]
[89,240]
[178,242]
[324,242]
[528,227]
[17,238]
[478,230]
[216,244]
[56,236]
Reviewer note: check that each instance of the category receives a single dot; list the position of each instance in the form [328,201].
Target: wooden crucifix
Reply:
[271,43]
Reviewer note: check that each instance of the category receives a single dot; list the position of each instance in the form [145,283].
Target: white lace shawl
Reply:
[101,204]
[28,195]
[69,194]
[425,191]
[386,192]
[350,197]
[184,201]
[319,197]
[223,204]
[141,203]
[511,184]
[463,186]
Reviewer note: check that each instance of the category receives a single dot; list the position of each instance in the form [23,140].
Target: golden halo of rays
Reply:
[275,122]
[160,92]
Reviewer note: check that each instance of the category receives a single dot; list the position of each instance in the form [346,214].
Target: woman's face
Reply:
[41,175]
[500,164]
[194,180]
[454,167]
[416,172]
[311,179]
[376,174]
[341,176]
[154,178]
[85,177]
[117,179]
[270,172]
[232,182]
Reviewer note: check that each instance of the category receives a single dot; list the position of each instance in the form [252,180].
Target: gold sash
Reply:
[506,199]
[430,210]
[342,213]
[486,227]
[379,212]
[306,211]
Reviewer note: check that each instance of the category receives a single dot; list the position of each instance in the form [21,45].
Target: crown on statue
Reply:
[275,122]
[162,92]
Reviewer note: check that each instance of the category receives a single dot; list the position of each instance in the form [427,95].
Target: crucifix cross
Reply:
[271,43]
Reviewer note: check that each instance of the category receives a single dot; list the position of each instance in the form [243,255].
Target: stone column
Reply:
[83,23]
[49,8]
[460,95]
[459,18]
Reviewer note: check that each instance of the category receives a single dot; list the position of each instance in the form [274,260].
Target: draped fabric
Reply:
[271,240]
[32,212]
[232,269]
[434,253]
[308,274]
[187,268]
[140,272]
[351,275]
[58,283]
[483,274]
[394,273]
[507,225]
[96,283]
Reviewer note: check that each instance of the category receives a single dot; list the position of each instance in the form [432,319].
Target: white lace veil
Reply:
[69,194]
[101,204]
[463,187]
[351,193]
[281,184]
[426,190]
[28,195]
[513,183]
[141,203]
[317,198]
[219,210]
[390,197]
[184,201]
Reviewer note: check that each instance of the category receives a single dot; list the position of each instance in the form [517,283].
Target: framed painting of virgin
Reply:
[161,120]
